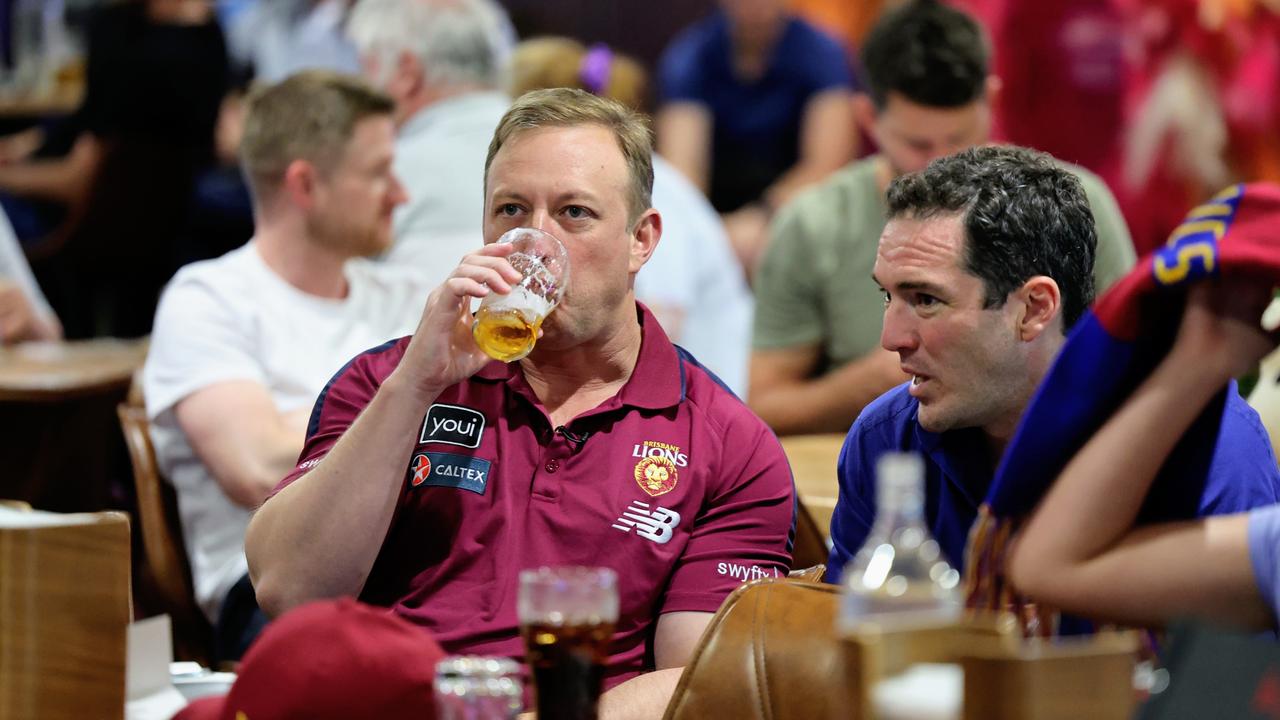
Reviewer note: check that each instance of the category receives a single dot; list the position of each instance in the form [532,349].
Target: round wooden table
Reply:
[59,435]
[57,372]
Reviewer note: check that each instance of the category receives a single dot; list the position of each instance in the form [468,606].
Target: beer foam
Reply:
[523,299]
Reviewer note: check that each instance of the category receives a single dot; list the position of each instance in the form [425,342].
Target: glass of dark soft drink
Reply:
[567,616]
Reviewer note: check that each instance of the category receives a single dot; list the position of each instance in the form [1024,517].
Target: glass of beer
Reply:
[506,326]
[567,616]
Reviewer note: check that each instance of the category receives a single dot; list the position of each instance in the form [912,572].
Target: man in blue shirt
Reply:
[986,263]
[756,104]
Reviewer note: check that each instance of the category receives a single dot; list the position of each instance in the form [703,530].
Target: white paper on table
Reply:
[151,694]
[926,691]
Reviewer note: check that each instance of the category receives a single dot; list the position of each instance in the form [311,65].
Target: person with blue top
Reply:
[755,104]
[985,265]
[1081,551]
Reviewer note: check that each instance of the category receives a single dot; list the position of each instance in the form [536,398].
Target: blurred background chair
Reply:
[775,650]
[166,575]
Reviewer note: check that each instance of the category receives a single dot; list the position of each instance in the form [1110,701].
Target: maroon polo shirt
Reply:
[673,483]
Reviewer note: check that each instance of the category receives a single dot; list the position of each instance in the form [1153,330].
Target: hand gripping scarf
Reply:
[1112,349]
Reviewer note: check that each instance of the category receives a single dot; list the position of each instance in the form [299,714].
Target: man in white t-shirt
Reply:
[244,344]
[441,60]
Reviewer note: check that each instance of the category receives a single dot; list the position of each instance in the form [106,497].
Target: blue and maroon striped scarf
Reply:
[1112,349]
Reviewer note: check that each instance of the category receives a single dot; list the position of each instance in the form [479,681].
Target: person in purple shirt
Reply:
[1082,551]
[431,475]
[986,263]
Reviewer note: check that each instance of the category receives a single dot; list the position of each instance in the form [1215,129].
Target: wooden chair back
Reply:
[64,588]
[167,572]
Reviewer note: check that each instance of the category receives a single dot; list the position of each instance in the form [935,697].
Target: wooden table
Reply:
[56,372]
[59,436]
[813,464]
[63,99]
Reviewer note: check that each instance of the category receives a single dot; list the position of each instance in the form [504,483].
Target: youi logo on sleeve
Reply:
[453,425]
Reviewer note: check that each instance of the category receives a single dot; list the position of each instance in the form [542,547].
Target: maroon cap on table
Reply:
[337,659]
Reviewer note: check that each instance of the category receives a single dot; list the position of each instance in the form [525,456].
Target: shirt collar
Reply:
[961,455]
[657,381]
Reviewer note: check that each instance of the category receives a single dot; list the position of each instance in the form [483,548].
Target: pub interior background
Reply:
[1085,80]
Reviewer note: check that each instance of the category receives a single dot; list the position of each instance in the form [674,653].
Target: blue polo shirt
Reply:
[756,123]
[1242,475]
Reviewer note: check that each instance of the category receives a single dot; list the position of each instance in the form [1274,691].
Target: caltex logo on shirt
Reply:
[421,469]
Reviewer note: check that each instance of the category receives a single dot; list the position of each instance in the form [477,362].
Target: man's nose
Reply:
[898,332]
[540,220]
[399,194]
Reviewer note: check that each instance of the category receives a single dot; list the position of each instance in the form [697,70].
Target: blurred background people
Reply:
[754,106]
[442,62]
[156,71]
[1204,106]
[816,359]
[691,282]
[106,192]
[273,39]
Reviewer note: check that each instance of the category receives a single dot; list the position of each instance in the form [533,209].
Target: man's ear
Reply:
[300,184]
[991,91]
[1041,303]
[408,76]
[865,112]
[644,239]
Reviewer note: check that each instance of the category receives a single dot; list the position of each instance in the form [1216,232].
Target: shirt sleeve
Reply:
[199,339]
[828,66]
[1115,255]
[343,398]
[855,510]
[1243,474]
[788,311]
[1264,552]
[743,533]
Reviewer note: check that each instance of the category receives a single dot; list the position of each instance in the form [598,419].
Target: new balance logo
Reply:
[658,524]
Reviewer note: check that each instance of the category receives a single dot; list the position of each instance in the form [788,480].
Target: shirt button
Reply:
[552,465]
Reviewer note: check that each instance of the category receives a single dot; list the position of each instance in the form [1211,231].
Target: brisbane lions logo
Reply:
[656,475]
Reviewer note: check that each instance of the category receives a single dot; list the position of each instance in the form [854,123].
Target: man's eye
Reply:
[926,300]
[886,297]
[509,209]
[577,212]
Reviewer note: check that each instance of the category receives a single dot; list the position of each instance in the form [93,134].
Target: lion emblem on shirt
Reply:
[656,475]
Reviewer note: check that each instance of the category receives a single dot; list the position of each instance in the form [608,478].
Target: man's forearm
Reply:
[319,536]
[829,403]
[64,179]
[641,698]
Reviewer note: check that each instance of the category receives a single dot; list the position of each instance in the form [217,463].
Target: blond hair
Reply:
[547,62]
[308,116]
[569,107]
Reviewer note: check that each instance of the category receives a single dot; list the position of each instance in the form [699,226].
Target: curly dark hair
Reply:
[932,54]
[1024,215]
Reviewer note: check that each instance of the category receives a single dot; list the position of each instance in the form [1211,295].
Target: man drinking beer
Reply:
[432,476]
